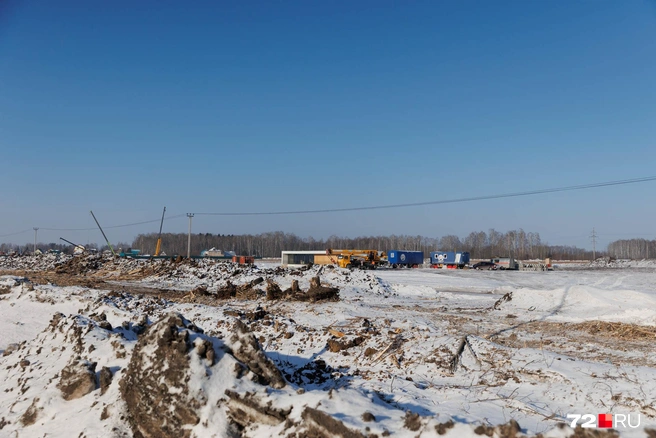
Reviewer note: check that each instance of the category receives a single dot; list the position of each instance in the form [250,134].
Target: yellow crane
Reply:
[158,248]
[358,258]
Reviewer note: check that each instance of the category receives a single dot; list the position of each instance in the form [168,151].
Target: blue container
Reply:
[405,258]
[449,258]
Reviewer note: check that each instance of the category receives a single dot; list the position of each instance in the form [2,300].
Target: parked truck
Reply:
[506,263]
[449,259]
[357,258]
[405,259]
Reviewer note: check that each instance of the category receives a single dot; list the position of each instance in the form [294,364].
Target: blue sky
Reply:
[124,107]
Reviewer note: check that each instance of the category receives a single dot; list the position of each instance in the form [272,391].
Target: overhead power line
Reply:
[14,234]
[445,201]
[376,207]
[113,226]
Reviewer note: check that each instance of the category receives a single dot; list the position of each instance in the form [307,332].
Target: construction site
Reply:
[409,352]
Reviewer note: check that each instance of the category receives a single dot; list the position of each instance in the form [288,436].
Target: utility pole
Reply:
[593,236]
[189,215]
[35,230]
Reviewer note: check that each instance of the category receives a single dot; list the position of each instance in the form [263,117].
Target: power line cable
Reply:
[113,226]
[445,201]
[14,234]
[378,207]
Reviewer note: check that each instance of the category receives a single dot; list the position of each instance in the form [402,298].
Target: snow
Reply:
[523,358]
[26,313]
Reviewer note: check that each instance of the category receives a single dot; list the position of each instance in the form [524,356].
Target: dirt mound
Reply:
[320,424]
[173,360]
[316,292]
[81,264]
[155,383]
[247,410]
[44,262]
[247,350]
[56,371]
[78,379]
[316,372]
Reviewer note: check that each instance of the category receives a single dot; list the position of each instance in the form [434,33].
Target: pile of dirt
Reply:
[157,397]
[81,265]
[247,350]
[59,368]
[166,401]
[320,424]
[316,292]
[44,262]
[612,263]
[208,280]
[316,372]
[172,379]
[78,379]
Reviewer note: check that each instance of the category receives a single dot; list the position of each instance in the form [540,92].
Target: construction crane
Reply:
[76,248]
[158,248]
[357,258]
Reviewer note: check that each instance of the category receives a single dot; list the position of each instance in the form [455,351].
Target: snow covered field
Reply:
[402,352]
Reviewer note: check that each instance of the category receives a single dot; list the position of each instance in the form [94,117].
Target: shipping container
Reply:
[410,259]
[449,259]
[243,260]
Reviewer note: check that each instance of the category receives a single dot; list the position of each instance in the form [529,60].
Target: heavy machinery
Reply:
[77,249]
[158,248]
[357,258]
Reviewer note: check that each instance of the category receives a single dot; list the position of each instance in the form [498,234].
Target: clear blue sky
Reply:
[124,107]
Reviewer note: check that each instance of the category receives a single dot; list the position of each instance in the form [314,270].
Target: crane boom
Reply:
[75,245]
[159,237]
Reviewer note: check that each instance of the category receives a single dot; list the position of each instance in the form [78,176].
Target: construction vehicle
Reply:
[77,249]
[506,263]
[131,253]
[357,258]
[158,248]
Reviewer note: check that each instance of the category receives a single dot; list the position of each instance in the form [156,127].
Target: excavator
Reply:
[357,258]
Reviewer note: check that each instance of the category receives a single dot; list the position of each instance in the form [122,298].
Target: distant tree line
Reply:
[481,245]
[632,249]
[515,243]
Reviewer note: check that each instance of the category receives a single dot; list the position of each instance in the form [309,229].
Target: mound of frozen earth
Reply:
[608,262]
[81,377]
[42,262]
[112,364]
[212,276]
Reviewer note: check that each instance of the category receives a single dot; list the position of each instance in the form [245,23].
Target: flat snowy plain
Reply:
[419,348]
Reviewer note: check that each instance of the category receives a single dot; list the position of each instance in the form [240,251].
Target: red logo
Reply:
[605,421]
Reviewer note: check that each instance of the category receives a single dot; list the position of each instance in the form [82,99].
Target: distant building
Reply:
[300,258]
